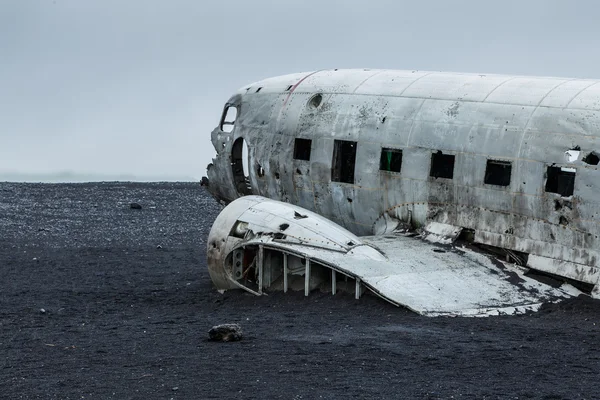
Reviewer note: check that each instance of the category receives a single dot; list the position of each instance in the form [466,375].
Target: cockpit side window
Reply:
[228,118]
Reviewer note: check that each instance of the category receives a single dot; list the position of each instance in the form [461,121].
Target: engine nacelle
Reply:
[258,244]
[255,241]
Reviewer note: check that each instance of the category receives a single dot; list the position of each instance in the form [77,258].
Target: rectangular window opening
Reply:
[498,173]
[344,160]
[391,160]
[302,149]
[228,118]
[560,180]
[442,165]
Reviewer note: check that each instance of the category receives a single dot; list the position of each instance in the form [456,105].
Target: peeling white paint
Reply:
[572,155]
[527,122]
[405,271]
[436,232]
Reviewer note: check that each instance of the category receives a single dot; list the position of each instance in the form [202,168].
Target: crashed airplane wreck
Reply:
[444,193]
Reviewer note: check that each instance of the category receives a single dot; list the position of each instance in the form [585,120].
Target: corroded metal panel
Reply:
[405,271]
[529,122]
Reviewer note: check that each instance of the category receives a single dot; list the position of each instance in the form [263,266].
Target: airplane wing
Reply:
[259,244]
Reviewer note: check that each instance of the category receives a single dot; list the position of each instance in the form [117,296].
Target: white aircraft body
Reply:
[395,181]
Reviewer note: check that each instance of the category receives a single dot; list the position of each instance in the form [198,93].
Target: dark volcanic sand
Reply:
[125,319]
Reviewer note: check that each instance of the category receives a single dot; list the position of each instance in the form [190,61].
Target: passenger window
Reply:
[302,149]
[591,158]
[442,165]
[391,160]
[344,160]
[560,180]
[498,173]
[228,119]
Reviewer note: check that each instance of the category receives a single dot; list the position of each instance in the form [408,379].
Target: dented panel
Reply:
[406,271]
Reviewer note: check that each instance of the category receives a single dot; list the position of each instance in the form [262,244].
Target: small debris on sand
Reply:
[135,206]
[225,333]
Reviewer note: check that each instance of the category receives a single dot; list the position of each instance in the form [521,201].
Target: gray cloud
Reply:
[135,87]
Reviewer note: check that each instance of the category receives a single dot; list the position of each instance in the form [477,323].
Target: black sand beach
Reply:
[101,301]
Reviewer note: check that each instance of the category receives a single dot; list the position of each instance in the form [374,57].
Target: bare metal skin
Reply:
[524,150]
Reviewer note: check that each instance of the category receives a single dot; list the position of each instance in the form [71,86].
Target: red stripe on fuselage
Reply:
[296,85]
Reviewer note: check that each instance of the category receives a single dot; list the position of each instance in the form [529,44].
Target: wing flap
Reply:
[268,241]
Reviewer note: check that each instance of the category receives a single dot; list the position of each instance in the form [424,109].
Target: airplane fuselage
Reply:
[512,160]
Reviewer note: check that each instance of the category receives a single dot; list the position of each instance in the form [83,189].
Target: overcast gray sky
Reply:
[114,87]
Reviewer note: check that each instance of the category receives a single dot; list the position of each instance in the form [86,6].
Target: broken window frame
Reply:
[315,101]
[592,158]
[390,160]
[560,180]
[225,125]
[343,161]
[437,168]
[496,172]
[302,149]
